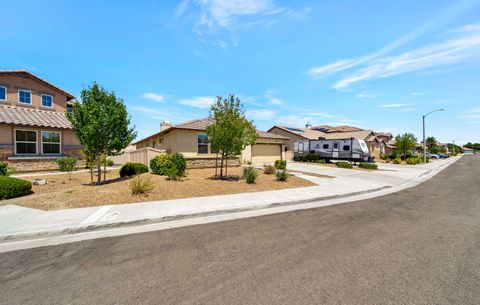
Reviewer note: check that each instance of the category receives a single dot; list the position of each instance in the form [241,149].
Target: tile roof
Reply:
[33,117]
[269,135]
[361,134]
[28,74]
[310,134]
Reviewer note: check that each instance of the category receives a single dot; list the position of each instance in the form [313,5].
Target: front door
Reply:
[335,149]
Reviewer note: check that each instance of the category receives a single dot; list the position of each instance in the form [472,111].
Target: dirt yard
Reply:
[62,193]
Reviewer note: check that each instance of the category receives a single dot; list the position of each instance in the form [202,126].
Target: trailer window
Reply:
[325,146]
[346,147]
[335,145]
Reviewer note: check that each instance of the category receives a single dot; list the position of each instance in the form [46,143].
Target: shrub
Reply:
[281,164]
[384,156]
[250,174]
[132,169]
[141,185]
[312,158]
[67,164]
[171,165]
[104,161]
[13,187]
[180,163]
[368,165]
[413,160]
[281,175]
[109,162]
[269,169]
[343,164]
[397,160]
[3,169]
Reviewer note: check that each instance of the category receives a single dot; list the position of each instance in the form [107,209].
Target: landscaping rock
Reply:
[39,182]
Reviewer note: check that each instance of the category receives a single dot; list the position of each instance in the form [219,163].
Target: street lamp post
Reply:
[424,142]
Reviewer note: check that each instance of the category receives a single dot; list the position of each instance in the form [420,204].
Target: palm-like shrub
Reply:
[250,174]
[141,185]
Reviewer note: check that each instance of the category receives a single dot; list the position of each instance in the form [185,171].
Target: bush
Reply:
[384,156]
[132,169]
[368,165]
[269,170]
[312,158]
[13,187]
[397,160]
[413,160]
[141,185]
[171,165]
[3,169]
[343,164]
[282,175]
[281,164]
[250,174]
[67,164]
[105,162]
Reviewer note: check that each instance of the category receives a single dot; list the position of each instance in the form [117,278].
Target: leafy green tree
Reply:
[101,123]
[405,143]
[431,144]
[230,131]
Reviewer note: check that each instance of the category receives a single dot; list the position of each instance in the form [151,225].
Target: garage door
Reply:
[262,153]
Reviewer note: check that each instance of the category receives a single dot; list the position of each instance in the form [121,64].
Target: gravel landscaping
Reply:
[62,193]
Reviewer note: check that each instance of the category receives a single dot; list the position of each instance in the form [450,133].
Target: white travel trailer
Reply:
[352,149]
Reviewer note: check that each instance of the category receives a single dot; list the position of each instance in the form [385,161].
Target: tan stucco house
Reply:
[190,139]
[33,125]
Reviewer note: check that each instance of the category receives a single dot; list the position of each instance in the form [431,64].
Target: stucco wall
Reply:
[289,144]
[5,135]
[15,82]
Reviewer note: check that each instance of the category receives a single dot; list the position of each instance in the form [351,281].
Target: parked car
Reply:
[433,156]
[443,156]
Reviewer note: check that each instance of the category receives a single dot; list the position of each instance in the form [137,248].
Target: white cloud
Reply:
[150,112]
[153,97]
[365,95]
[198,102]
[392,105]
[472,115]
[261,114]
[270,99]
[451,51]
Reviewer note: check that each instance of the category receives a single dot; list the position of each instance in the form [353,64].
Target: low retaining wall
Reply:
[210,162]
[38,165]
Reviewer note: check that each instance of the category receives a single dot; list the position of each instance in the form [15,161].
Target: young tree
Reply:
[101,123]
[405,143]
[230,131]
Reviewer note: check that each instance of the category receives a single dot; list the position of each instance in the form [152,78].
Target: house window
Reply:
[50,142]
[47,101]
[25,142]
[24,96]
[346,147]
[202,140]
[3,93]
[325,146]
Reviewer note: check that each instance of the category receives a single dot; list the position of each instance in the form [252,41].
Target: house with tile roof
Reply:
[376,144]
[33,125]
[190,139]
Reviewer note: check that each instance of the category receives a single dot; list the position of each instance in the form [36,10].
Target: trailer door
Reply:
[335,149]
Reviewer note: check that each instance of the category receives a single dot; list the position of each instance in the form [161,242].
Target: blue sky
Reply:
[373,64]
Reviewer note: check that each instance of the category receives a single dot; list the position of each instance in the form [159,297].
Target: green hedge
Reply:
[281,164]
[132,169]
[413,160]
[13,187]
[368,165]
[397,160]
[171,165]
[343,164]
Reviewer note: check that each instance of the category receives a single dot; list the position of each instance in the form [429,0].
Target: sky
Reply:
[378,65]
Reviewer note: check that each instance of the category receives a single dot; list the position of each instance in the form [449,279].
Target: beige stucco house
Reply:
[33,125]
[191,140]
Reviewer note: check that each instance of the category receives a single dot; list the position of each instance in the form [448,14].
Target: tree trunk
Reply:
[216,164]
[99,169]
[221,166]
[226,166]
[105,169]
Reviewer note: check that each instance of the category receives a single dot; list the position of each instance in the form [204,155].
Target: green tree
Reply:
[405,143]
[230,131]
[431,144]
[101,123]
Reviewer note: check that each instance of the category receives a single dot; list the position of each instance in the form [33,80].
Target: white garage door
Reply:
[263,153]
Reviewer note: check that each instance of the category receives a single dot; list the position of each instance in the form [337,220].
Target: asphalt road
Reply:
[419,246]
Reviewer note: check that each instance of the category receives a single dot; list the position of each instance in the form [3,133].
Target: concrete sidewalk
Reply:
[18,223]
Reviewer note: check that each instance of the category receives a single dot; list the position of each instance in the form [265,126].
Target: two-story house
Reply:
[33,124]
